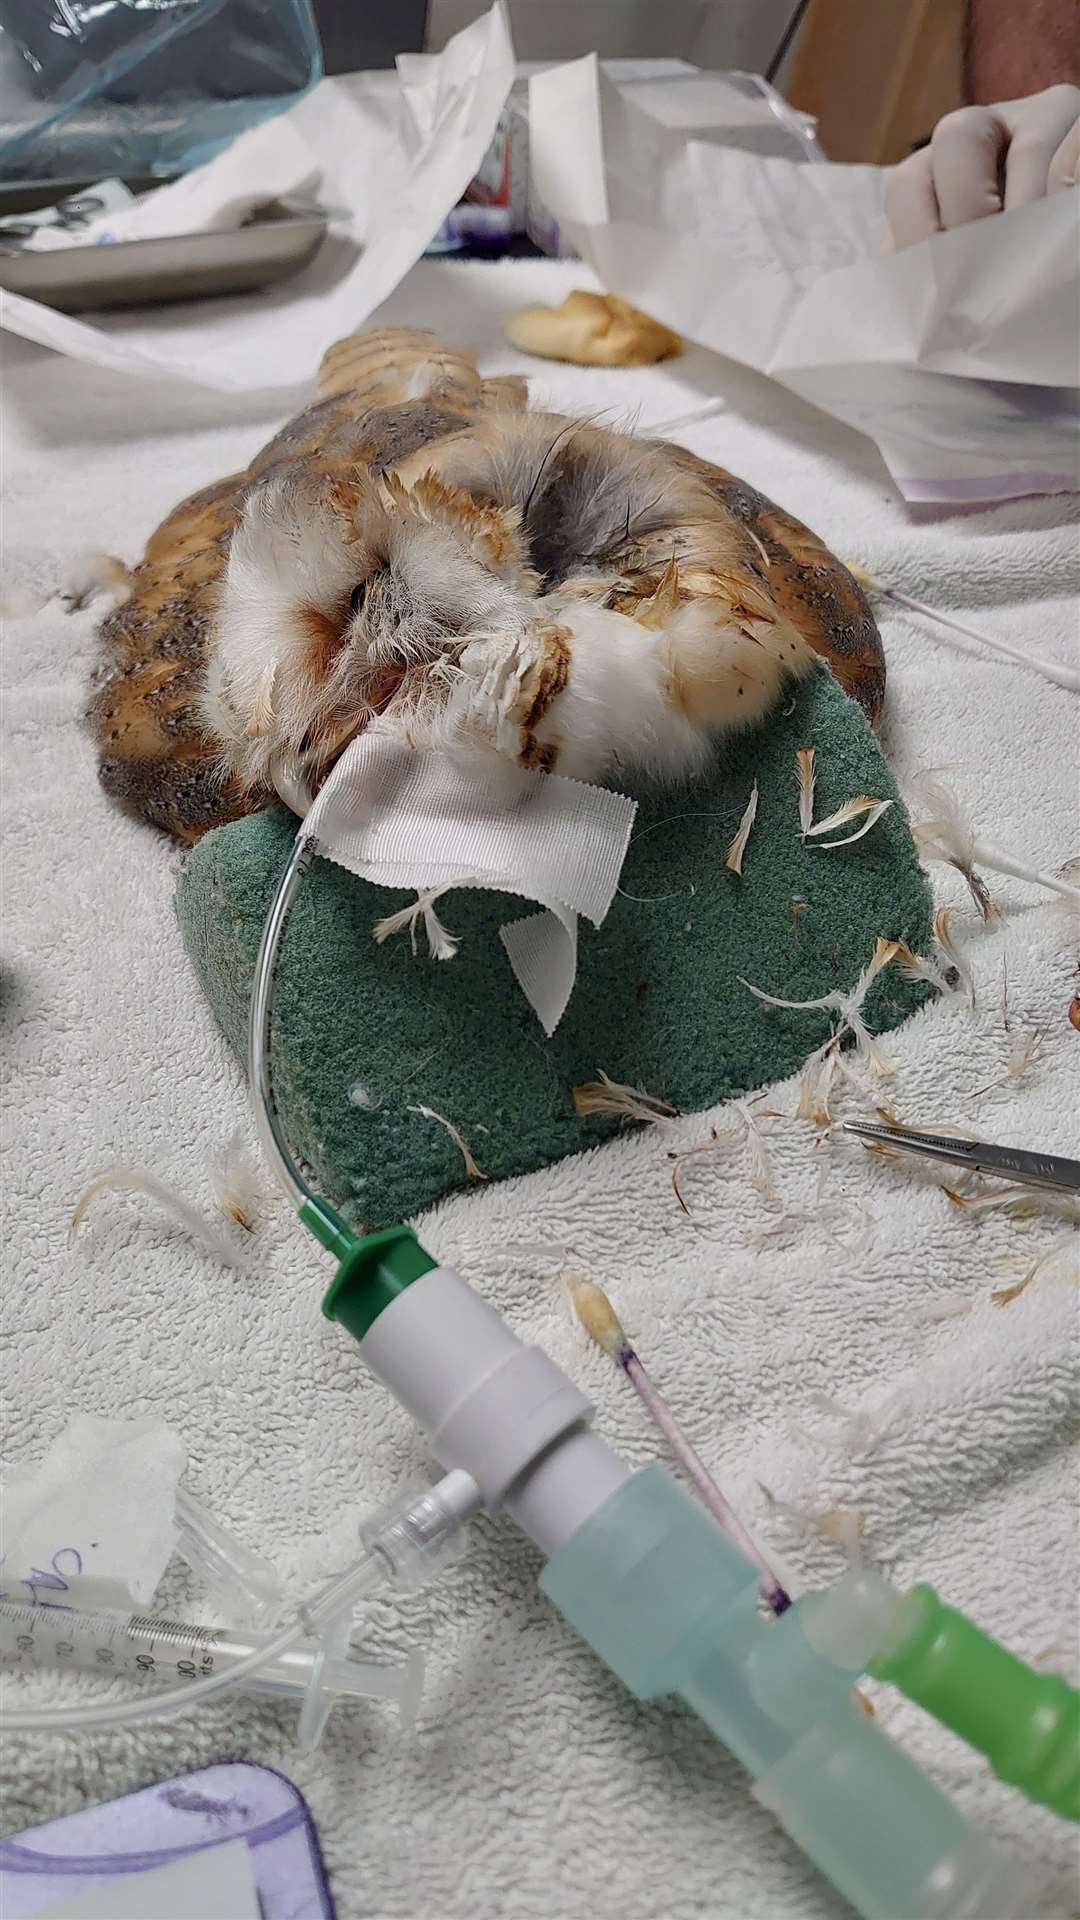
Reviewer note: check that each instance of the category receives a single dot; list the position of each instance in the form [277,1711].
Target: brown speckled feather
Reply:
[815,589]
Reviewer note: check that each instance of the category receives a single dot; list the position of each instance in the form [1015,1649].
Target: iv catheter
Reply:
[145,1647]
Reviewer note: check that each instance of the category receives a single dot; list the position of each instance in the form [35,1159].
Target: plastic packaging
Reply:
[724,109]
[90,88]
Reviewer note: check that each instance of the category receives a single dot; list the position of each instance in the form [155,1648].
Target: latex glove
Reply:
[985,160]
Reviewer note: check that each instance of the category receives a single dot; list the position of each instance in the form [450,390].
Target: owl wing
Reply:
[810,586]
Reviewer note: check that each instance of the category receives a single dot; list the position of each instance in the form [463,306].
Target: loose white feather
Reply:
[429,1113]
[442,944]
[943,936]
[88,574]
[124,1179]
[815,1086]
[863,803]
[849,1006]
[949,835]
[614,1096]
[235,1182]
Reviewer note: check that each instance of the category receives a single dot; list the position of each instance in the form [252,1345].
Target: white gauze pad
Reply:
[94,1525]
[405,817]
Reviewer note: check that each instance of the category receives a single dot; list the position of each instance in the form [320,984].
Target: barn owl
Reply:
[507,586]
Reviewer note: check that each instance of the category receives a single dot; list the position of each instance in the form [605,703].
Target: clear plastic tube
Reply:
[271,1135]
[244,1580]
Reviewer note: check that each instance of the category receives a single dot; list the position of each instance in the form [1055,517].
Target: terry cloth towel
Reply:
[851,1359]
[366,1034]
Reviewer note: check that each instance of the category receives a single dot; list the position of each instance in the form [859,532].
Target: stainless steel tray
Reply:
[276,242]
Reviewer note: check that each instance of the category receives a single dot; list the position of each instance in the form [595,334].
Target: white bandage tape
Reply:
[404,817]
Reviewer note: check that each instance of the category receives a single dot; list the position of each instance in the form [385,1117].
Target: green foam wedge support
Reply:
[363,1034]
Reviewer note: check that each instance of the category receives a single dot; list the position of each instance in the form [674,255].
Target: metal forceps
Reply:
[1049,1170]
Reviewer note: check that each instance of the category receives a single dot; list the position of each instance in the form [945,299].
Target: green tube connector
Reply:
[372,1270]
[1026,1723]
[328,1227]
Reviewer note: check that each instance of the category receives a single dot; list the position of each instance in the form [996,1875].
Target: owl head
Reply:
[347,598]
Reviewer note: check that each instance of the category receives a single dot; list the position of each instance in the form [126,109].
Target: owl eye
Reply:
[356,599]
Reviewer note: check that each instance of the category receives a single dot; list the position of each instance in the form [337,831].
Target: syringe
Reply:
[141,1646]
[405,1543]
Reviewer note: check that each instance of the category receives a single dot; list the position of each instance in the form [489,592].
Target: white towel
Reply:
[817,1364]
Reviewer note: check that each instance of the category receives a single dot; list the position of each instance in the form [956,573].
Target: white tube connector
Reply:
[501,1411]
[564,1488]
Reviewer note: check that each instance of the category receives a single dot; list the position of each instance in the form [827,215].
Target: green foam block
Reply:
[658,1001]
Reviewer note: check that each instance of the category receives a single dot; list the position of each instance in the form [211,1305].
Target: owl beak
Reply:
[290,783]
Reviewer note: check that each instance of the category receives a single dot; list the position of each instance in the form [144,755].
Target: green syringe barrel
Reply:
[1026,1723]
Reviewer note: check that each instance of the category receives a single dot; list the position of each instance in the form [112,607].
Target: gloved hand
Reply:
[986,160]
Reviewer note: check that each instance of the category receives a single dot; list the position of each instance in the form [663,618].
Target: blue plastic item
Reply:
[96,88]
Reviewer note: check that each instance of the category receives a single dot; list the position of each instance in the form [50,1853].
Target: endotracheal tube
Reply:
[271,1135]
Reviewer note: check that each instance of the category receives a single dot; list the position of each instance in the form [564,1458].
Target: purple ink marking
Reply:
[187,1800]
[54,1581]
[16,1857]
